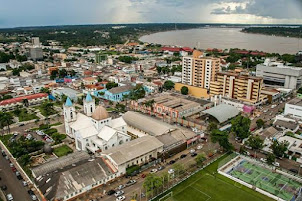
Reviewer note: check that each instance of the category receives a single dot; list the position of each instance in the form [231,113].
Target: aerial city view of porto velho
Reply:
[151,100]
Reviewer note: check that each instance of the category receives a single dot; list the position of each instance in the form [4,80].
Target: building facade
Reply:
[199,71]
[237,86]
[277,74]
[294,108]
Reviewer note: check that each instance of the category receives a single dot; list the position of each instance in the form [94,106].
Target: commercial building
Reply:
[35,53]
[136,152]
[32,99]
[277,74]
[199,71]
[238,86]
[294,108]
[172,105]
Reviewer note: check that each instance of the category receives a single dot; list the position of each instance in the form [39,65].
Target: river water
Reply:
[225,38]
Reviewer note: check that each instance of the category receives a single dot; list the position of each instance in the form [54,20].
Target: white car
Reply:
[199,147]
[120,198]
[153,171]
[192,151]
[24,183]
[264,160]
[119,193]
[276,164]
[171,171]
[9,197]
[120,187]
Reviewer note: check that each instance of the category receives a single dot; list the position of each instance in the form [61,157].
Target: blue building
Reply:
[116,94]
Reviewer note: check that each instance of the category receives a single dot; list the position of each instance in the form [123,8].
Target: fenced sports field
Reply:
[208,185]
[261,177]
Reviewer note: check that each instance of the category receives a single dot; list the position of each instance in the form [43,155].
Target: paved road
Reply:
[14,186]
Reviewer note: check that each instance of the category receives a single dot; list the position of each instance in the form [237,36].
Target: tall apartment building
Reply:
[199,71]
[237,86]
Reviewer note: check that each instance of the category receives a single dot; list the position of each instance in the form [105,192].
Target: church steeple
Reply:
[89,105]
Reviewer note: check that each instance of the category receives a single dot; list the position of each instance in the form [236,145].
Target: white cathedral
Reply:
[94,130]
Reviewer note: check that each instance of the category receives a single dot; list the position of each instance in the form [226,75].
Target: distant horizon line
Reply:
[146,23]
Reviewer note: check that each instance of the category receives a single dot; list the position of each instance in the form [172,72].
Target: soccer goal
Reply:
[166,197]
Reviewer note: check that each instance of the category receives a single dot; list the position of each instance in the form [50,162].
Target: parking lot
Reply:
[13,185]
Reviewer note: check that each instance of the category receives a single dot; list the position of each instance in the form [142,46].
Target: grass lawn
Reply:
[55,124]
[24,115]
[62,150]
[208,185]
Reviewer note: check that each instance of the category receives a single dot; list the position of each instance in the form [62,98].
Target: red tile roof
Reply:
[20,98]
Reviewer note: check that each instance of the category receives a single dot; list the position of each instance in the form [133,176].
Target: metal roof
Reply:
[223,112]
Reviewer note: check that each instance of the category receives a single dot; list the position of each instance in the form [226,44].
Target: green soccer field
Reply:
[265,179]
[206,186]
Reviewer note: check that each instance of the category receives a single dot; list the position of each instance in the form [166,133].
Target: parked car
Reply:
[33,197]
[192,151]
[19,177]
[9,197]
[130,182]
[264,160]
[120,198]
[118,193]
[294,171]
[24,183]
[143,175]
[160,168]
[22,124]
[172,162]
[4,187]
[111,192]
[120,187]
[276,164]
[171,171]
[193,154]
[17,173]
[153,171]
[199,147]
[183,156]
[11,165]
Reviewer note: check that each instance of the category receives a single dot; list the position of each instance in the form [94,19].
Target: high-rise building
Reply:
[35,41]
[198,70]
[36,53]
[238,86]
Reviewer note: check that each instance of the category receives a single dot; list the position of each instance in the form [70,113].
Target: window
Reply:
[91,108]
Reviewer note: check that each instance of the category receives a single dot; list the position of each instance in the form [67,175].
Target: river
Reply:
[225,38]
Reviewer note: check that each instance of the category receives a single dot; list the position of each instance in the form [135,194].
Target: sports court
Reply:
[265,179]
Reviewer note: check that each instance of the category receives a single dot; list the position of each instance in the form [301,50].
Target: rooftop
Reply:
[120,89]
[133,149]
[296,101]
[223,112]
[146,124]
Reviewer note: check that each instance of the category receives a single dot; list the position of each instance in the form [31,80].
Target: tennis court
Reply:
[266,179]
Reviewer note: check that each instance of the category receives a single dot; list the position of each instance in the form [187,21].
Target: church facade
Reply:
[94,130]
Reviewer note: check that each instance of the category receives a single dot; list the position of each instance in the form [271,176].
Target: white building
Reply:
[277,74]
[94,130]
[294,108]
[137,152]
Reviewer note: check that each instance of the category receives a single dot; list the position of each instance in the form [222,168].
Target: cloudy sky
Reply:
[15,13]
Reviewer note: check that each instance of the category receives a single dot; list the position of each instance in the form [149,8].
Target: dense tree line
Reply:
[278,31]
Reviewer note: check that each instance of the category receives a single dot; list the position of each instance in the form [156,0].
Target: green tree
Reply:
[111,85]
[222,137]
[270,158]
[45,90]
[179,169]
[158,69]
[260,123]
[6,119]
[200,158]
[168,85]
[184,90]
[151,183]
[137,93]
[241,127]
[279,148]
[255,142]
[212,126]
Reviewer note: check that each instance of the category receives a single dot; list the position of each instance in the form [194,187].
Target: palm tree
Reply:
[6,119]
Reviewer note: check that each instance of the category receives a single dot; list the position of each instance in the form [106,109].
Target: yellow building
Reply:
[238,86]
[198,70]
[197,92]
